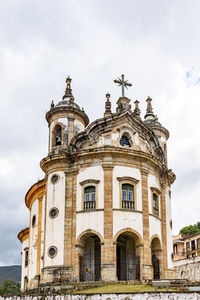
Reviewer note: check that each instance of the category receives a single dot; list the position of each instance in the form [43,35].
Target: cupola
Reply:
[65,119]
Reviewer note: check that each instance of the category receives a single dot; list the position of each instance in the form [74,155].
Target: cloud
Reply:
[156,45]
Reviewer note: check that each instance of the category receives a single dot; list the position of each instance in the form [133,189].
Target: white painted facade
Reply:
[33,241]
[25,247]
[55,226]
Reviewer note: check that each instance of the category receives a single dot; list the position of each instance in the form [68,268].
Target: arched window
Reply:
[155,204]
[57,136]
[128,196]
[26,257]
[89,197]
[125,141]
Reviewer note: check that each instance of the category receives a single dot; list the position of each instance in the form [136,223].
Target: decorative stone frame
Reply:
[133,182]
[156,191]
[128,132]
[52,178]
[57,212]
[86,183]
[56,251]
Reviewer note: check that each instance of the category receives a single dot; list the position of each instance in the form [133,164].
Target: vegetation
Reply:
[9,287]
[122,288]
[12,272]
[191,229]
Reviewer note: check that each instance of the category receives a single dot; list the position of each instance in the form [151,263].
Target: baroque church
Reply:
[103,209]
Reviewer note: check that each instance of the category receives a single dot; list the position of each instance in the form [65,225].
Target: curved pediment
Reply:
[119,130]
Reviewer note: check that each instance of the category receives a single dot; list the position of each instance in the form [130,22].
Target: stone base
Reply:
[108,272]
[56,274]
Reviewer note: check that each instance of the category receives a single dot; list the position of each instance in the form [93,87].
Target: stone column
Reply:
[108,254]
[164,229]
[146,263]
[70,128]
[70,251]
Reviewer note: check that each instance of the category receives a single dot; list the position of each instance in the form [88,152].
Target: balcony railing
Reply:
[89,205]
[127,204]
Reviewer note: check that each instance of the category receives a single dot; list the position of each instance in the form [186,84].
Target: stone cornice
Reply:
[23,235]
[67,108]
[36,191]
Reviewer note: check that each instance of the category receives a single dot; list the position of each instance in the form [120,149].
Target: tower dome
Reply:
[65,119]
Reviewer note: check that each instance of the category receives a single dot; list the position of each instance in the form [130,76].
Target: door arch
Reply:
[156,255]
[128,256]
[89,258]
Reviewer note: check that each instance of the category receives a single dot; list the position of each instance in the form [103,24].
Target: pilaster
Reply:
[39,233]
[108,249]
[70,128]
[70,220]
[164,228]
[146,249]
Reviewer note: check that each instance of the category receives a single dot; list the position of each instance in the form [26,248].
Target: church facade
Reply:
[103,209]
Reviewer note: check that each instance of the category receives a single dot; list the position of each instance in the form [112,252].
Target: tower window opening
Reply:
[125,141]
[128,196]
[89,198]
[57,136]
[155,204]
[26,258]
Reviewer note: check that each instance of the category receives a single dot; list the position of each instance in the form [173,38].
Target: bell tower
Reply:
[65,119]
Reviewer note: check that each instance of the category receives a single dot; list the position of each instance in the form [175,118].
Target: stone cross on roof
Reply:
[123,83]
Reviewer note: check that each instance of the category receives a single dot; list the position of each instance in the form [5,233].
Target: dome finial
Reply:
[68,91]
[108,111]
[137,110]
[149,112]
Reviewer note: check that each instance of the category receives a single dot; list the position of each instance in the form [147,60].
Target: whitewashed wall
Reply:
[33,241]
[155,228]
[169,230]
[125,219]
[42,233]
[93,220]
[24,271]
[55,226]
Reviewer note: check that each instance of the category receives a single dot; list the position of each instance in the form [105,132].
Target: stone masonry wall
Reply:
[188,269]
[144,296]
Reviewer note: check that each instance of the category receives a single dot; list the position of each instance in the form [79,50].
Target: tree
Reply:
[9,287]
[189,230]
[197,225]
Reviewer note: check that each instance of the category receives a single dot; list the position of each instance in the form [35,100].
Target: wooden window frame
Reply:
[157,192]
[87,183]
[132,181]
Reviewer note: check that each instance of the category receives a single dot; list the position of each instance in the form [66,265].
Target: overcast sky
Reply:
[156,44]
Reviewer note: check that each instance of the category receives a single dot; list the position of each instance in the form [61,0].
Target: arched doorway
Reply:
[90,258]
[128,259]
[156,254]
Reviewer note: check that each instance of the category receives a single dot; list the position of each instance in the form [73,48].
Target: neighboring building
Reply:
[186,256]
[186,247]
[103,209]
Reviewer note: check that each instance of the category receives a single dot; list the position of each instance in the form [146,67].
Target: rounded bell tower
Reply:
[65,120]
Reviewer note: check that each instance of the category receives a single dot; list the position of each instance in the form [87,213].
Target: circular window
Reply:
[54,178]
[52,251]
[53,213]
[33,220]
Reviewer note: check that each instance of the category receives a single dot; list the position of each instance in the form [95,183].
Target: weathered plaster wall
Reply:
[24,273]
[152,182]
[155,228]
[169,229]
[188,269]
[42,234]
[55,227]
[33,241]
[145,296]
[89,220]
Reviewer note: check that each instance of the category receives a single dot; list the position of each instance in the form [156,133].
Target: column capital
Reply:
[144,171]
[107,166]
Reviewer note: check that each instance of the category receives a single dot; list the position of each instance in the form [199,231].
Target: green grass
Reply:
[122,288]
